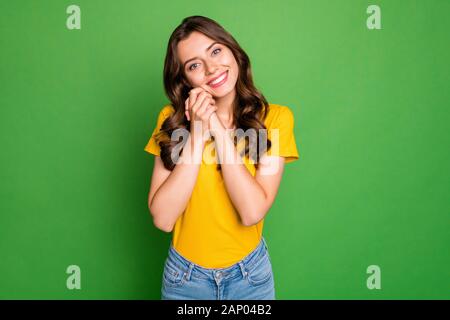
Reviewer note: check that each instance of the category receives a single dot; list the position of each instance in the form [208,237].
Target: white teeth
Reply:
[218,79]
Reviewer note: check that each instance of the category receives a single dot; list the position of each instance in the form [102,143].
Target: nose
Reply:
[211,68]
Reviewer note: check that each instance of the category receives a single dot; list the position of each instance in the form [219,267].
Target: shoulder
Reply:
[165,112]
[278,115]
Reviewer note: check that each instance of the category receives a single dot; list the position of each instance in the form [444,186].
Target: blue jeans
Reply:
[249,279]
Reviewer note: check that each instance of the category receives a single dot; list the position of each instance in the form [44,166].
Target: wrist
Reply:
[197,141]
[206,135]
[195,150]
[216,127]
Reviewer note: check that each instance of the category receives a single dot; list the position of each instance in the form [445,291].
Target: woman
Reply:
[216,209]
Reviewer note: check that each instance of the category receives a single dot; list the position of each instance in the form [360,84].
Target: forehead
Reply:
[194,45]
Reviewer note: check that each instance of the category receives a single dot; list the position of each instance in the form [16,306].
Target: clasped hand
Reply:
[200,110]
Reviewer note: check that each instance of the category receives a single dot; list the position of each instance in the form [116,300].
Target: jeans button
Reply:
[218,274]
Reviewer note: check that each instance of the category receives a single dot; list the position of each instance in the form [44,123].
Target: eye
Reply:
[192,65]
[216,50]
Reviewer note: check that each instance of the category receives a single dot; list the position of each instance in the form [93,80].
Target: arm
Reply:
[251,196]
[170,190]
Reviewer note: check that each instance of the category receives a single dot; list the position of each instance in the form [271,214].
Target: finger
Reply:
[210,111]
[203,108]
[206,88]
[197,90]
[186,106]
[211,108]
[205,103]
[193,94]
[201,97]
[192,98]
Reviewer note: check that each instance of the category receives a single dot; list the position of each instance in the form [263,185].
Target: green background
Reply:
[371,123]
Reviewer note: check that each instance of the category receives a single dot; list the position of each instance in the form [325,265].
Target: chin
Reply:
[222,94]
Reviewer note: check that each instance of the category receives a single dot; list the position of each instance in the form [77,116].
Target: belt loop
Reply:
[244,273]
[189,272]
[265,243]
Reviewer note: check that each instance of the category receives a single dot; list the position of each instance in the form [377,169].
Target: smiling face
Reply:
[207,62]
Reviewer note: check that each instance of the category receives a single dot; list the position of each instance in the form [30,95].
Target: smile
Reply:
[217,82]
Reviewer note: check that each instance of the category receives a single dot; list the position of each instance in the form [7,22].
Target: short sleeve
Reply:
[152,145]
[281,135]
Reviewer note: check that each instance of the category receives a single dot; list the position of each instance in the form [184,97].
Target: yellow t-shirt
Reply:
[209,232]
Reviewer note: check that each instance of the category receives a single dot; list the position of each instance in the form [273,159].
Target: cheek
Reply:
[194,79]
[231,61]
[235,69]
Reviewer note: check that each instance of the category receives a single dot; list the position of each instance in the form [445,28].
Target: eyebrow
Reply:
[184,64]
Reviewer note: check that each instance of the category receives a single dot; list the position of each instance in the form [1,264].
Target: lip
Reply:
[221,82]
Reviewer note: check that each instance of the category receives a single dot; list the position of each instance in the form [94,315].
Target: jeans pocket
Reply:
[261,271]
[173,275]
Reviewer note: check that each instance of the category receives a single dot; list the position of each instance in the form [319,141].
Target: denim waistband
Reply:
[241,266]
